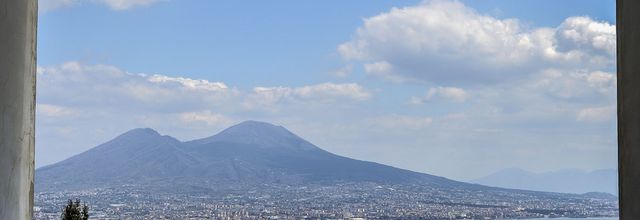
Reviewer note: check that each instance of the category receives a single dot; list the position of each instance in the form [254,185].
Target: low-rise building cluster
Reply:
[338,201]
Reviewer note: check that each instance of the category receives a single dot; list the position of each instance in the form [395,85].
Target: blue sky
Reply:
[459,89]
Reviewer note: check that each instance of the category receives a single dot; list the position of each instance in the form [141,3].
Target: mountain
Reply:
[247,153]
[566,181]
[135,155]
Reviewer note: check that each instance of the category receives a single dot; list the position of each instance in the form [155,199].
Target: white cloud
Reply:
[451,94]
[524,80]
[101,86]
[401,122]
[344,71]
[455,116]
[118,5]
[189,83]
[604,81]
[263,96]
[596,114]
[384,70]
[318,93]
[127,4]
[332,90]
[49,110]
[206,117]
[381,68]
[574,84]
[78,85]
[50,5]
[447,42]
[584,34]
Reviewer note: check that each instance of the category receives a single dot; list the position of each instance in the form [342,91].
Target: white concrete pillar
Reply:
[18,20]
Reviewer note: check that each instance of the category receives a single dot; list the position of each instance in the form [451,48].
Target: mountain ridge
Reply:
[250,152]
[565,181]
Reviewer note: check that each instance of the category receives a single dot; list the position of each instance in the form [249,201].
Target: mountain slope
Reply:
[136,155]
[566,181]
[248,153]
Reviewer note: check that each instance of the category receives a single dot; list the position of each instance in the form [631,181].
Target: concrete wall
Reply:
[628,34]
[18,20]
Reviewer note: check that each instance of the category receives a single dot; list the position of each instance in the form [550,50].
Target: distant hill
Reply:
[248,153]
[566,181]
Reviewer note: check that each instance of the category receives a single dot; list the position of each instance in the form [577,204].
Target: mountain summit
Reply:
[248,153]
[259,134]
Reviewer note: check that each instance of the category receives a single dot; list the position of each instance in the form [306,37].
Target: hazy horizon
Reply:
[567,170]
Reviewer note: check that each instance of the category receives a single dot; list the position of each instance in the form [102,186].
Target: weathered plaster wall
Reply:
[17,104]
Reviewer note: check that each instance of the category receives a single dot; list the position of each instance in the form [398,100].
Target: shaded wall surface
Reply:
[17,106]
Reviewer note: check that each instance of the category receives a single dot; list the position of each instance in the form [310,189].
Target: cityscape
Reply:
[342,201]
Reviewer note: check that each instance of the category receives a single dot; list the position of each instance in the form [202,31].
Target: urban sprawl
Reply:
[339,201]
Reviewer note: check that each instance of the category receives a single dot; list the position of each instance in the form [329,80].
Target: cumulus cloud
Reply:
[78,85]
[582,34]
[323,92]
[102,86]
[384,70]
[194,84]
[574,84]
[447,42]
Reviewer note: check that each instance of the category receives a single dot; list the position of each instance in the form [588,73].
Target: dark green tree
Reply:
[75,211]
[85,212]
